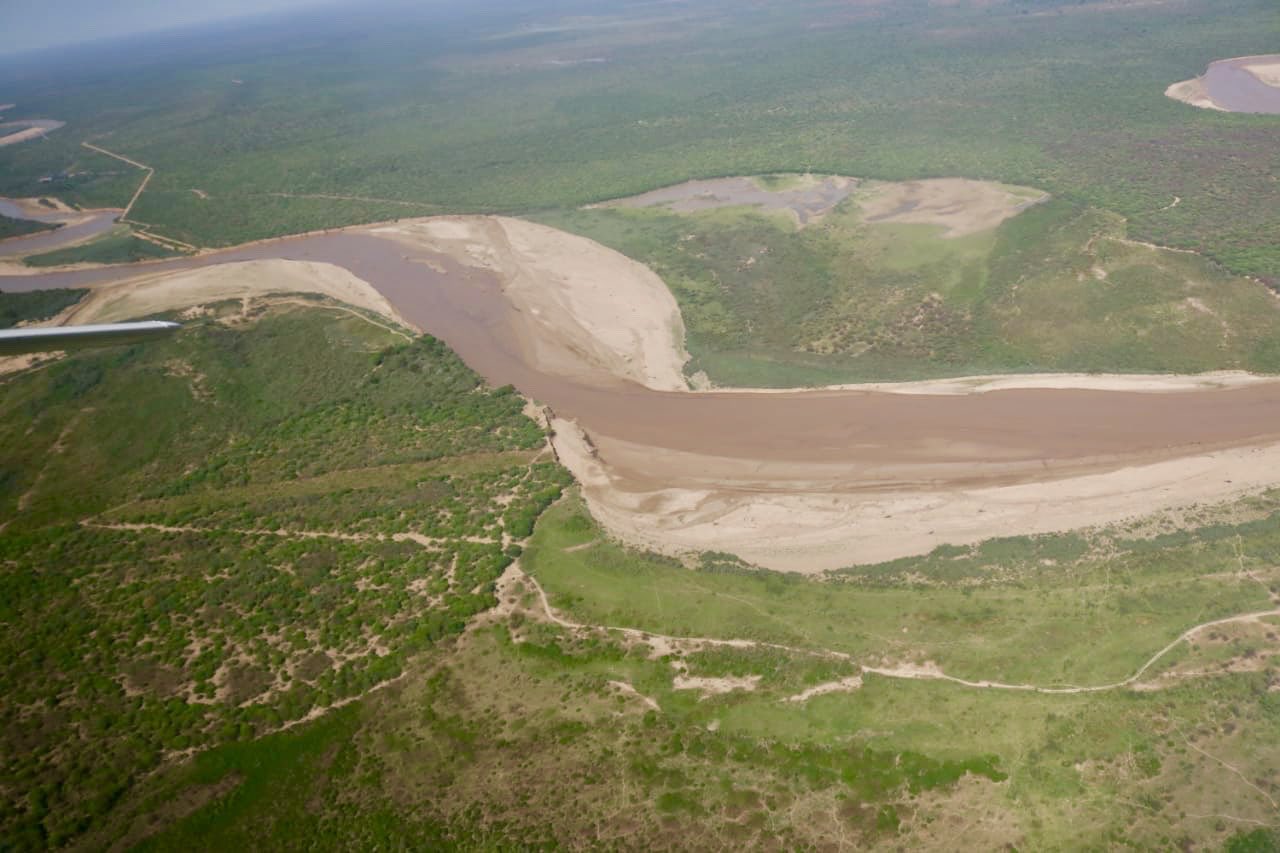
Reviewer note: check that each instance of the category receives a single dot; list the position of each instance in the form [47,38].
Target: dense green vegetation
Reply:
[16,308]
[292,511]
[467,111]
[1056,288]
[891,763]
[10,227]
[118,246]
[1255,841]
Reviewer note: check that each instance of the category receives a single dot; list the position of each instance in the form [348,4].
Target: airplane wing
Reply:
[48,339]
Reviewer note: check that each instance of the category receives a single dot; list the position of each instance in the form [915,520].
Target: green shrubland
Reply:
[35,305]
[1059,287]
[205,541]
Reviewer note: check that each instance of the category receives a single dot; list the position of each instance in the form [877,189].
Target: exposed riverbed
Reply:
[665,456]
[77,227]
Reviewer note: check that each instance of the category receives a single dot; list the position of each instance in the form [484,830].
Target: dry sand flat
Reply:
[1267,70]
[1134,383]
[806,198]
[13,132]
[1192,92]
[153,294]
[587,310]
[960,205]
[809,517]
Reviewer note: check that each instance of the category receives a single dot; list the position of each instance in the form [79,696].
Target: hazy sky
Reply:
[31,24]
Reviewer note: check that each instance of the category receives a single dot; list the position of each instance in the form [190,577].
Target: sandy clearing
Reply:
[1267,72]
[844,685]
[147,295]
[960,205]
[627,689]
[812,518]
[32,129]
[715,686]
[806,198]
[586,310]
[1192,92]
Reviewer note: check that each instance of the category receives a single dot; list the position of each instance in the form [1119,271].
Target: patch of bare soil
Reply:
[1192,92]
[960,205]
[13,132]
[152,294]
[585,310]
[627,689]
[844,685]
[1266,70]
[806,198]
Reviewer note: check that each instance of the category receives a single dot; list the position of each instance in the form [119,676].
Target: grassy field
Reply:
[1066,610]
[1052,611]
[1059,287]
[413,112]
[117,246]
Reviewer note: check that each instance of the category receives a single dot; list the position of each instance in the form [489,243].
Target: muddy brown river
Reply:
[1014,435]
[1234,89]
[89,226]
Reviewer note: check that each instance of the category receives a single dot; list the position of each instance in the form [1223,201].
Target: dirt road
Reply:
[664,643]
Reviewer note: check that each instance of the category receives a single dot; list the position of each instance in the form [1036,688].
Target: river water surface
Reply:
[1233,88]
[1016,435]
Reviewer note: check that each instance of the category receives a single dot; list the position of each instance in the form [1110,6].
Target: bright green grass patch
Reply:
[1081,620]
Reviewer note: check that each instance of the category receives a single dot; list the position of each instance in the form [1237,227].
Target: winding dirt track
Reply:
[738,446]
[912,672]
